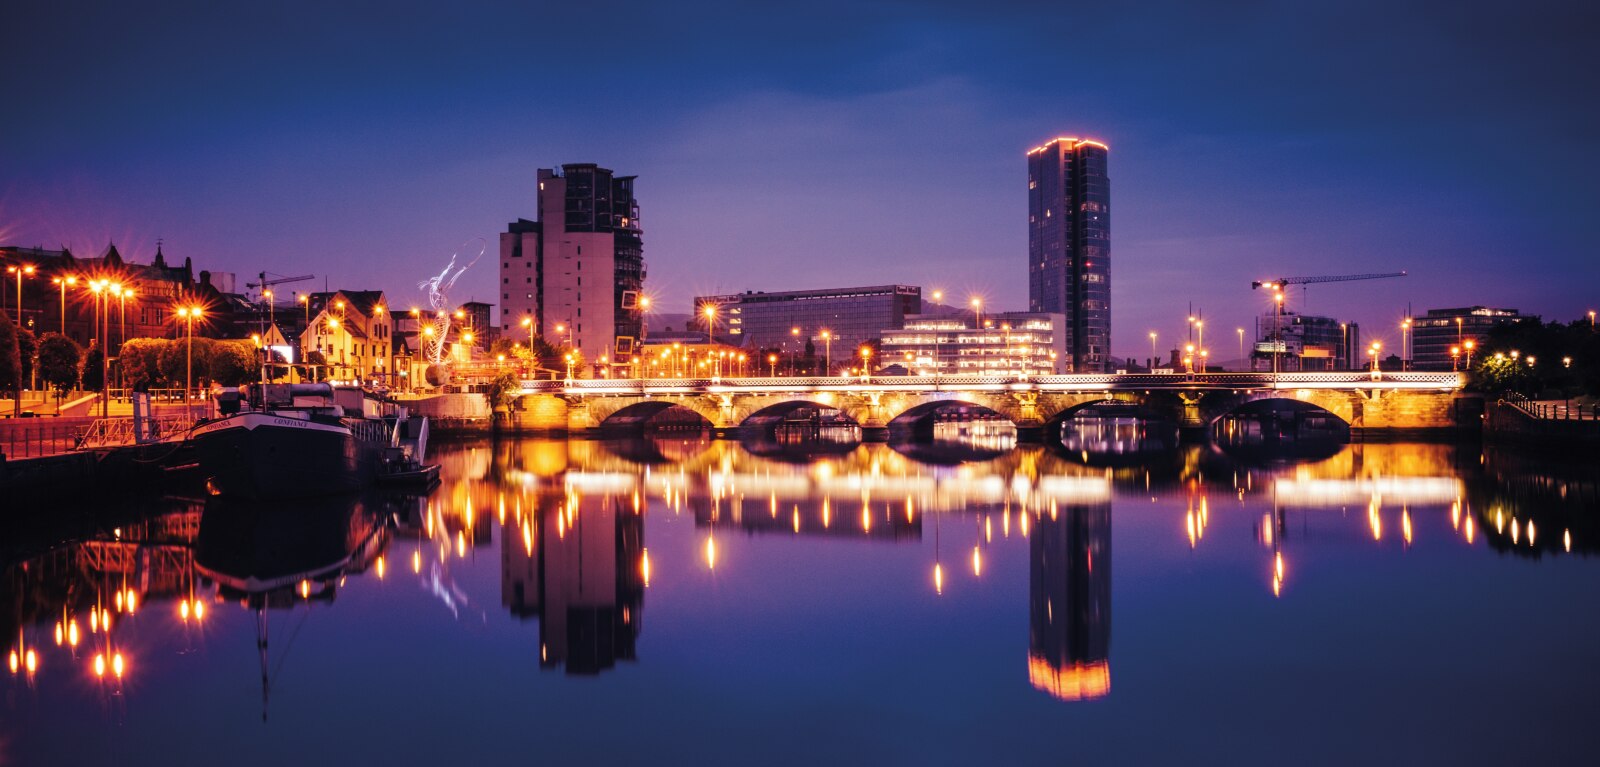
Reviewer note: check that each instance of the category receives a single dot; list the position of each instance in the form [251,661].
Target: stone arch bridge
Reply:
[1364,401]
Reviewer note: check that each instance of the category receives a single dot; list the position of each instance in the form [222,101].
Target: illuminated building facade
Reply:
[1010,343]
[1304,342]
[353,331]
[1069,246]
[1069,602]
[851,316]
[1435,333]
[157,289]
[588,229]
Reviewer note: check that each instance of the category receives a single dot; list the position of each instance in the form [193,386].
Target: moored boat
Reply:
[296,440]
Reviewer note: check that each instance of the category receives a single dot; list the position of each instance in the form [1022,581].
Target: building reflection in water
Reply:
[1069,602]
[578,567]
[570,517]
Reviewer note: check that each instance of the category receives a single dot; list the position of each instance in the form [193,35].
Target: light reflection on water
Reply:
[559,556]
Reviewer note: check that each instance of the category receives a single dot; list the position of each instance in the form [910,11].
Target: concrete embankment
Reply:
[87,473]
[1504,422]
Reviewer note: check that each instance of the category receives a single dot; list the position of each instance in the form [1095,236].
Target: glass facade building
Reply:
[1437,332]
[851,317]
[1010,344]
[1069,246]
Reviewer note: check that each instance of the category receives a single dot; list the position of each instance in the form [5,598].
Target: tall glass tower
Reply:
[1069,246]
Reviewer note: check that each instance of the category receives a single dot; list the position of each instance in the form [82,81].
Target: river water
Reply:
[689,600]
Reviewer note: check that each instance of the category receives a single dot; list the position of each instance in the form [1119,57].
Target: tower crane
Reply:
[1283,282]
[264,283]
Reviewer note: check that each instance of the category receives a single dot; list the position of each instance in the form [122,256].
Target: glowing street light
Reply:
[827,354]
[189,314]
[64,283]
[20,271]
[710,311]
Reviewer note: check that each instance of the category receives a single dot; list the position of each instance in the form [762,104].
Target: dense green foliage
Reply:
[10,359]
[233,363]
[93,370]
[59,361]
[1543,360]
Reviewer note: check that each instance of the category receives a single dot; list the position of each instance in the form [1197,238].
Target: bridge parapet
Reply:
[1069,383]
[1360,398]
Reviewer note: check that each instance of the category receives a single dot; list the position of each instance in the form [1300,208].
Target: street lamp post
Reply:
[794,356]
[20,271]
[1277,332]
[866,363]
[123,294]
[772,366]
[1200,330]
[305,301]
[1469,345]
[64,283]
[1344,344]
[827,354]
[711,324]
[1455,354]
[1154,355]
[189,315]
[1405,344]
[977,314]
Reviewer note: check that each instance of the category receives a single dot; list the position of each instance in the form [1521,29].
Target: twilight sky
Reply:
[823,144]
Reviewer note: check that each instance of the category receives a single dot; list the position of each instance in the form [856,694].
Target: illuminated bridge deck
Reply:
[1131,382]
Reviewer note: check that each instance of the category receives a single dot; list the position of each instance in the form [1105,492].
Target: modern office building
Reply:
[588,232]
[1069,246]
[1304,342]
[1009,344]
[849,317]
[1434,334]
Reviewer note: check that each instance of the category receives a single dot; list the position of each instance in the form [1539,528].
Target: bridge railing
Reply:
[1551,411]
[1081,382]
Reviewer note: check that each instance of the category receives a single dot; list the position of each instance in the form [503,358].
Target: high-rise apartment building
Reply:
[577,271]
[1069,246]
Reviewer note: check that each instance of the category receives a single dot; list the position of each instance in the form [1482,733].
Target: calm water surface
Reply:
[688,600]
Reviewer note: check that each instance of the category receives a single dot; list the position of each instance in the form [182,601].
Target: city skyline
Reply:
[775,176]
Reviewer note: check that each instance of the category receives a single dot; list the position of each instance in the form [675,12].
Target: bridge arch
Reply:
[920,418]
[789,410]
[640,416]
[1274,419]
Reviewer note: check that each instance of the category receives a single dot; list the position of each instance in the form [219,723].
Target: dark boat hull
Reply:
[260,455]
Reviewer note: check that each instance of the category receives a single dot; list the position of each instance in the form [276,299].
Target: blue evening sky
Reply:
[818,144]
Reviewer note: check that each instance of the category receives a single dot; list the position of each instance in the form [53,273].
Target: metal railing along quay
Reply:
[1551,411]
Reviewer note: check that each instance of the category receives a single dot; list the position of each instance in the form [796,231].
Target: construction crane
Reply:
[264,283]
[1283,282]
